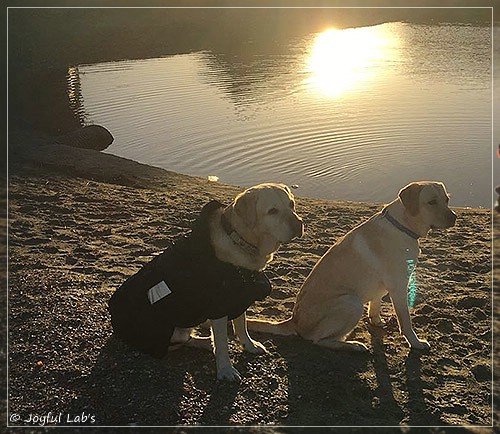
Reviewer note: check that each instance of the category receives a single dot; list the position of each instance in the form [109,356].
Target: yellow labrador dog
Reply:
[373,259]
[246,234]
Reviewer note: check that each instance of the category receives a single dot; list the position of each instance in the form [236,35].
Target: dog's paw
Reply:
[254,347]
[228,373]
[420,345]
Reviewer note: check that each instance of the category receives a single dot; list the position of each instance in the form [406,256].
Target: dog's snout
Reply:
[299,229]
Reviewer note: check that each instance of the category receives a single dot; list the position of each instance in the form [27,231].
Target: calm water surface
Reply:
[349,114]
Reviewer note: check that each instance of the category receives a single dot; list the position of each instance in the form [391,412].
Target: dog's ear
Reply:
[409,196]
[245,206]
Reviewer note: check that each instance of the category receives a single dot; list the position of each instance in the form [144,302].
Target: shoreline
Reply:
[81,221]
[107,167]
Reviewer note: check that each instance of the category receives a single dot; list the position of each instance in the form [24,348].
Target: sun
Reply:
[341,59]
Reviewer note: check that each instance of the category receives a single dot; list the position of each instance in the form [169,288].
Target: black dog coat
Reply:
[182,287]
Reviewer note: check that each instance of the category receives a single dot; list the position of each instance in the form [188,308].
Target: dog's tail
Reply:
[284,328]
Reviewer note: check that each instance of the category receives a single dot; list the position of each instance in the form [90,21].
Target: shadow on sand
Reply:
[296,384]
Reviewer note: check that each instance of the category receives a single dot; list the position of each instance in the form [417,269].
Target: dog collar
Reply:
[236,238]
[402,228]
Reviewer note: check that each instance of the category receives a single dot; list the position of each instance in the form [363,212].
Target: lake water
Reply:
[351,114]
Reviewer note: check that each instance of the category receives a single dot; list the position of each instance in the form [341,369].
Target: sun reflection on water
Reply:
[340,60]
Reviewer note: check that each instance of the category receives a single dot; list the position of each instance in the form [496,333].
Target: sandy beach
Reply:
[81,221]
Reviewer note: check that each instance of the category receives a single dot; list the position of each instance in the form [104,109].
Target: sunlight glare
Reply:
[340,60]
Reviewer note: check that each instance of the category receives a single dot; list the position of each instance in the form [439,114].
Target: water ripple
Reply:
[259,119]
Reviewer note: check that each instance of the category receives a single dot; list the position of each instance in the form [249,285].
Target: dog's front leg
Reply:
[241,332]
[225,369]
[400,303]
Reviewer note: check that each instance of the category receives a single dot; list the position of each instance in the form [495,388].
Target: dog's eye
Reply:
[432,202]
[273,211]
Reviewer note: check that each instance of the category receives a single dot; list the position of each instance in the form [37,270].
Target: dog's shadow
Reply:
[128,388]
[326,387]
[410,377]
[417,407]
[384,393]
[295,383]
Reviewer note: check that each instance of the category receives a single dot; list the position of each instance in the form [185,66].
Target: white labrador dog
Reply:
[373,259]
[246,234]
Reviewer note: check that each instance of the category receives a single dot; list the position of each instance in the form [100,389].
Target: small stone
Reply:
[481,373]
[445,326]
[469,302]
[71,261]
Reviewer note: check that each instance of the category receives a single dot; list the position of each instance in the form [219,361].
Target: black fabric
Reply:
[202,286]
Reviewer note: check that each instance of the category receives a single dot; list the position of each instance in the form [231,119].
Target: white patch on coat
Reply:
[157,292]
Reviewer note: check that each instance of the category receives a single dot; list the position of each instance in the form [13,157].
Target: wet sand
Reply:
[81,221]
